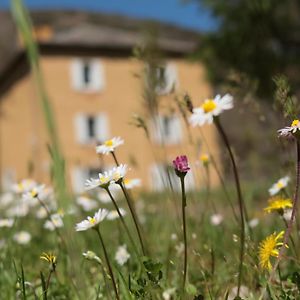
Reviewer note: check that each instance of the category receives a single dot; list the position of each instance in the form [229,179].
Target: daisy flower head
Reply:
[6,222]
[278,204]
[210,109]
[102,181]
[34,193]
[86,203]
[122,255]
[290,131]
[92,222]
[23,186]
[269,247]
[109,145]
[132,183]
[279,185]
[117,173]
[55,221]
[22,237]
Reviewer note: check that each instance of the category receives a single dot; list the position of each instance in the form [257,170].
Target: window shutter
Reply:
[102,127]
[97,76]
[175,136]
[76,74]
[171,79]
[78,176]
[81,128]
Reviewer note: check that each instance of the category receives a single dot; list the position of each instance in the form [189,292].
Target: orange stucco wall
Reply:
[23,137]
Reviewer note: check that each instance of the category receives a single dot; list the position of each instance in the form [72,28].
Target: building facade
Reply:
[94,93]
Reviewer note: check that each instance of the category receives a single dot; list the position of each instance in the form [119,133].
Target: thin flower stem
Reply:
[123,221]
[50,219]
[134,216]
[184,232]
[242,207]
[131,207]
[291,221]
[108,263]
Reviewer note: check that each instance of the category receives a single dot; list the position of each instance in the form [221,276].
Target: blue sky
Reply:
[171,11]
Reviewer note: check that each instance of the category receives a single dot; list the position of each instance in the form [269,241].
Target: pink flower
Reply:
[181,164]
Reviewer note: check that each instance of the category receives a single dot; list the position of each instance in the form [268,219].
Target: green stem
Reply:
[123,221]
[184,232]
[108,263]
[134,216]
[293,216]
[242,207]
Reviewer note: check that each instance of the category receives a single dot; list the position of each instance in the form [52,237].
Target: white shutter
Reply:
[81,128]
[102,127]
[79,176]
[175,136]
[76,74]
[171,79]
[97,76]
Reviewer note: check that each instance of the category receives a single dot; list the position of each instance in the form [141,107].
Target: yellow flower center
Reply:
[209,105]
[295,123]
[108,143]
[92,220]
[280,185]
[126,181]
[204,158]
[33,193]
[103,179]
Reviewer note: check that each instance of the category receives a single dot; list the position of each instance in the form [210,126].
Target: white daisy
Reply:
[23,186]
[118,173]
[167,294]
[253,223]
[86,203]
[6,199]
[122,255]
[55,222]
[113,214]
[216,219]
[22,237]
[41,213]
[109,145]
[91,222]
[279,185]
[290,130]
[6,222]
[19,210]
[209,109]
[36,192]
[132,183]
[103,181]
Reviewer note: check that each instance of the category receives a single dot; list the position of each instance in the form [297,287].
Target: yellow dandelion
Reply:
[278,204]
[50,258]
[269,247]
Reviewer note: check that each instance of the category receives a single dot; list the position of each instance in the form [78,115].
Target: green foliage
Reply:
[258,38]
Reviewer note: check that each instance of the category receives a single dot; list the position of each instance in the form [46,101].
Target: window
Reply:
[87,75]
[91,128]
[167,129]
[166,79]
[163,177]
[79,176]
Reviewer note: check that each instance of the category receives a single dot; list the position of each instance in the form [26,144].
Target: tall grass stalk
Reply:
[25,27]
[242,207]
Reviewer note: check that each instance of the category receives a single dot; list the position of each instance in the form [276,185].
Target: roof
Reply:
[84,33]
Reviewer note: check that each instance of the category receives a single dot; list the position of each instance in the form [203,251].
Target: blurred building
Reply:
[95,85]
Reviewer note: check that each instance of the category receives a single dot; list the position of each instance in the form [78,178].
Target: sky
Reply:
[185,15]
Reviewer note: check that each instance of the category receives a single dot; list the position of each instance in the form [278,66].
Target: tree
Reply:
[256,38]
